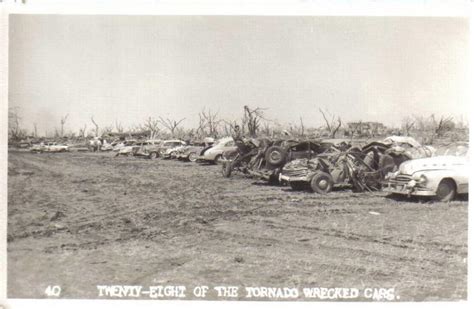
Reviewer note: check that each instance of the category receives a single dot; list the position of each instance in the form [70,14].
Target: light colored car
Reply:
[192,151]
[442,176]
[49,147]
[126,148]
[149,148]
[214,154]
[167,148]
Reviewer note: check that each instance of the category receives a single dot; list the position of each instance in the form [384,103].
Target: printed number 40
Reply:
[54,290]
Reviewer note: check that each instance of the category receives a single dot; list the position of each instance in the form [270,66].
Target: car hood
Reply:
[431,164]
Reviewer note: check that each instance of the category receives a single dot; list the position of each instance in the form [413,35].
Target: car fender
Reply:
[434,177]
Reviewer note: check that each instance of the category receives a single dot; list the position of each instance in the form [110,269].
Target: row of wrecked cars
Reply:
[399,165]
[396,164]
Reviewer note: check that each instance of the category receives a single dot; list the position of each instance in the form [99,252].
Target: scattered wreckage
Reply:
[358,168]
[442,176]
[169,148]
[265,159]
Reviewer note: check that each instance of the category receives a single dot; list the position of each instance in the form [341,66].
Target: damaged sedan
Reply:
[442,176]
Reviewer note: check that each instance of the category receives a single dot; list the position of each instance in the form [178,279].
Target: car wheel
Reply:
[275,155]
[218,159]
[153,155]
[298,185]
[192,157]
[226,169]
[321,183]
[446,190]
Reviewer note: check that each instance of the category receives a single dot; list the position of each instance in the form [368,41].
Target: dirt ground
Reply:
[79,220]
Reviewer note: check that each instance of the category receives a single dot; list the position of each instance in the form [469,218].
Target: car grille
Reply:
[402,179]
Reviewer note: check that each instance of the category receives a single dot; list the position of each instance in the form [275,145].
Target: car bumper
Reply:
[404,189]
[204,158]
[293,178]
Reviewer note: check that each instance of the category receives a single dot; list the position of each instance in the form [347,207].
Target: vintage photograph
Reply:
[249,158]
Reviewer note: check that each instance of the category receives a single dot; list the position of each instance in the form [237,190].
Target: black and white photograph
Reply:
[237,157]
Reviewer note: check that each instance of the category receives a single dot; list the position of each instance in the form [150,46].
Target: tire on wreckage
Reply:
[321,183]
[275,155]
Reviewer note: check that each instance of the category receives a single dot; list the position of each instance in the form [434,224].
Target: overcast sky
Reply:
[127,68]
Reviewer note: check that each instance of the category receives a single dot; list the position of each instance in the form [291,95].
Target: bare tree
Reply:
[118,127]
[201,129]
[229,127]
[152,125]
[63,122]
[83,131]
[171,124]
[440,127]
[106,130]
[96,132]
[35,129]
[332,125]
[15,131]
[210,121]
[252,118]
[408,123]
[301,127]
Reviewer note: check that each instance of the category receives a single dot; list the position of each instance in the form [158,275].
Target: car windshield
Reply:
[457,150]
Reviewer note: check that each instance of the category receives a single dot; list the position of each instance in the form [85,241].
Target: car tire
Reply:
[226,169]
[275,155]
[192,157]
[218,159]
[153,155]
[446,190]
[321,183]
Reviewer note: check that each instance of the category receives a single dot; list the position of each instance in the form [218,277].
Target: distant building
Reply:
[367,128]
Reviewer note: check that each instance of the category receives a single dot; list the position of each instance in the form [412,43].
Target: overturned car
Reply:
[264,159]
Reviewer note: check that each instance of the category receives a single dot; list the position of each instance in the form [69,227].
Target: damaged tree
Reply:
[153,126]
[252,118]
[96,131]
[171,124]
[333,125]
[15,132]
[63,122]
[209,120]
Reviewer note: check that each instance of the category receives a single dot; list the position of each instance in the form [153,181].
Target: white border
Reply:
[459,8]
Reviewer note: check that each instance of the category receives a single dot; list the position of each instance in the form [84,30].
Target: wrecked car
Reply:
[264,159]
[442,176]
[127,148]
[168,148]
[335,168]
[49,147]
[400,148]
[214,154]
[192,151]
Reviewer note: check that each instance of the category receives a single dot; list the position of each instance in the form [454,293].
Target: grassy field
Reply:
[81,219]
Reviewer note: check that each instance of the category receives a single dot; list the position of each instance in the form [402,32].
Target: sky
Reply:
[129,68]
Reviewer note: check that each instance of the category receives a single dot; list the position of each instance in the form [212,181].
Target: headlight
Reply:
[420,179]
[423,180]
